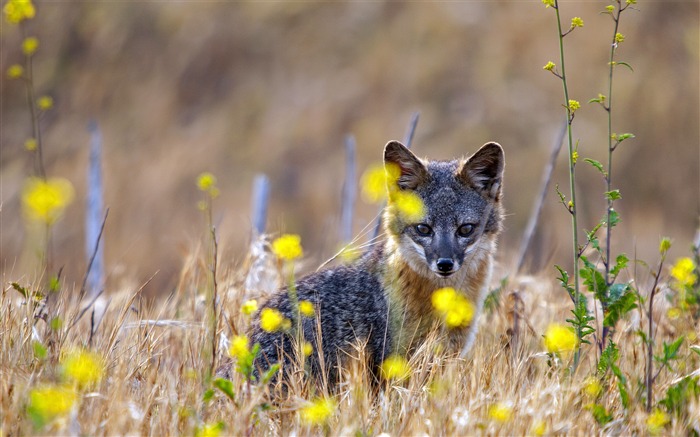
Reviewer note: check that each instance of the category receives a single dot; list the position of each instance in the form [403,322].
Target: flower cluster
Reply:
[500,412]
[288,247]
[249,307]
[82,367]
[306,308]
[271,320]
[560,339]
[207,182]
[45,200]
[453,307]
[17,11]
[318,412]
[395,367]
[48,402]
[683,272]
[239,348]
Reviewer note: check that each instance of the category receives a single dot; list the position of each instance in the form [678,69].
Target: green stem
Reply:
[572,185]
[36,131]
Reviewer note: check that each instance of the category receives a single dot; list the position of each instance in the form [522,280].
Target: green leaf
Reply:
[23,291]
[608,358]
[613,195]
[619,307]
[267,376]
[624,395]
[679,395]
[208,395]
[625,64]
[695,348]
[600,414]
[614,218]
[598,166]
[39,350]
[671,350]
[594,280]
[620,263]
[226,387]
[596,100]
[623,137]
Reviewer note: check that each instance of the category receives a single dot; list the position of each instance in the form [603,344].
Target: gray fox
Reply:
[383,300]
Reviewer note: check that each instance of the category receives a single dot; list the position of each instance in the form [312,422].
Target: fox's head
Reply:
[460,212]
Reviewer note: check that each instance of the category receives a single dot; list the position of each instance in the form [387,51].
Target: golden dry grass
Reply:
[155,378]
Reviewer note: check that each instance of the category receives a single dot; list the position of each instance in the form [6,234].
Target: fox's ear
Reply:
[413,171]
[483,171]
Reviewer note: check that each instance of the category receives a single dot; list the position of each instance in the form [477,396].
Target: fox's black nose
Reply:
[445,265]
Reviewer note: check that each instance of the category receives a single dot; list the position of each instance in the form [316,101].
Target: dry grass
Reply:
[155,378]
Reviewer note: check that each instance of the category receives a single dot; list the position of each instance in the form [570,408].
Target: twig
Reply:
[92,258]
[539,202]
[261,194]
[349,190]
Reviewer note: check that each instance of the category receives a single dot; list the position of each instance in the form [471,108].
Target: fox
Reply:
[383,300]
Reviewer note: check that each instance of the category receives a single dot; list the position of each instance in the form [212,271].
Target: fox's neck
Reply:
[409,289]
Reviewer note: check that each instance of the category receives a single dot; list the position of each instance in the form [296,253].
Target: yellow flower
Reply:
[373,183]
[548,3]
[307,348]
[610,8]
[684,272]
[664,245]
[249,307]
[539,428]
[395,367]
[47,402]
[271,320]
[207,182]
[574,157]
[631,2]
[288,247]
[592,387]
[30,144]
[45,103]
[500,412]
[306,308]
[317,412]
[239,347]
[657,421]
[619,37]
[454,308]
[83,367]
[30,45]
[408,205]
[560,339]
[549,66]
[576,22]
[574,105]
[17,11]
[210,430]
[673,313]
[15,71]
[45,201]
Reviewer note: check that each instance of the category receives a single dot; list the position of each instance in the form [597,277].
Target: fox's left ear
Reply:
[483,171]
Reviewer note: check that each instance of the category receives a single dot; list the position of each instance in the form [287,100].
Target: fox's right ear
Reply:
[413,170]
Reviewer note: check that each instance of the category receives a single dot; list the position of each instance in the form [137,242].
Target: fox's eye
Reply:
[423,230]
[465,230]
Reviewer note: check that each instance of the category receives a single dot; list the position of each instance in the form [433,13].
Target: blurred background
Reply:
[238,88]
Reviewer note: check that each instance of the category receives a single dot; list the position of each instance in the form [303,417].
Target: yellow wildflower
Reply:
[271,320]
[48,402]
[83,367]
[30,144]
[44,103]
[249,307]
[539,428]
[574,156]
[395,367]
[549,66]
[373,183]
[560,339]
[500,412]
[548,3]
[30,45]
[657,421]
[592,387]
[664,245]
[15,71]
[306,308]
[17,11]
[318,412]
[239,347]
[673,313]
[45,200]
[576,22]
[408,205]
[619,38]
[207,182]
[631,2]
[574,105]
[610,8]
[288,247]
[210,430]
[454,308]
[684,272]
[307,348]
